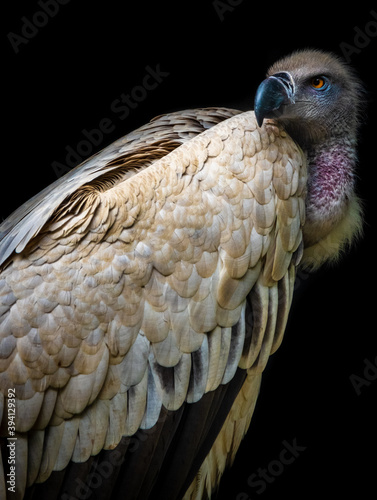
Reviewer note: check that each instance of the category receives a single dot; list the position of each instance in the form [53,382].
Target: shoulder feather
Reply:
[136,150]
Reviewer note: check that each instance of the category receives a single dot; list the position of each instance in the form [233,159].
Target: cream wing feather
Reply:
[132,292]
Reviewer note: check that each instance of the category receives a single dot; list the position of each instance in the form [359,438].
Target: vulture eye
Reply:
[318,82]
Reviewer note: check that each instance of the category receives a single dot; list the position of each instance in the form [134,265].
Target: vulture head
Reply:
[317,99]
[313,93]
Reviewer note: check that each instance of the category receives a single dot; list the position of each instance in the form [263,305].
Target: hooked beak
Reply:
[273,93]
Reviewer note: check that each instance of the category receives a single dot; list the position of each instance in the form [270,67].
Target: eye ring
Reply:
[318,82]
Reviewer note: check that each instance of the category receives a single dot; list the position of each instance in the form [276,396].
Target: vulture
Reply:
[142,294]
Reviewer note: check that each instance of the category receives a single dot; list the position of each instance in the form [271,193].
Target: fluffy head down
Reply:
[335,108]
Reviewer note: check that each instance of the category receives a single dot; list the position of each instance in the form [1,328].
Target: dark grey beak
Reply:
[273,93]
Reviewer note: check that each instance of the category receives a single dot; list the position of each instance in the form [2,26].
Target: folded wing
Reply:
[145,280]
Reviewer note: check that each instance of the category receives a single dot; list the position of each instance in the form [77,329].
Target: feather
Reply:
[47,408]
[83,442]
[167,352]
[119,418]
[134,364]
[264,216]
[236,346]
[232,292]
[35,452]
[235,246]
[229,438]
[281,260]
[219,345]
[172,382]
[27,411]
[81,389]
[236,268]
[52,441]
[199,372]
[155,325]
[285,294]
[202,314]
[99,413]
[256,316]
[71,438]
[207,264]
[186,338]
[185,287]
[135,405]
[269,330]
[153,406]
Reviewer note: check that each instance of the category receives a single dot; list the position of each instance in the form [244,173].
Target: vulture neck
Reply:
[331,179]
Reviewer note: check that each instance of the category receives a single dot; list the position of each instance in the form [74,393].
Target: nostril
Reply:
[287,79]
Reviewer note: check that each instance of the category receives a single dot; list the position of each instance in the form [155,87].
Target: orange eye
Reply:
[317,82]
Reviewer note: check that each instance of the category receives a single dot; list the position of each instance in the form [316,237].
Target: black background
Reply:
[66,78]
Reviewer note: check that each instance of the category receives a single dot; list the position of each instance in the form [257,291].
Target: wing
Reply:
[134,151]
[142,294]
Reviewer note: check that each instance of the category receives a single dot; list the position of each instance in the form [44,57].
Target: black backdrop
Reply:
[68,66]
